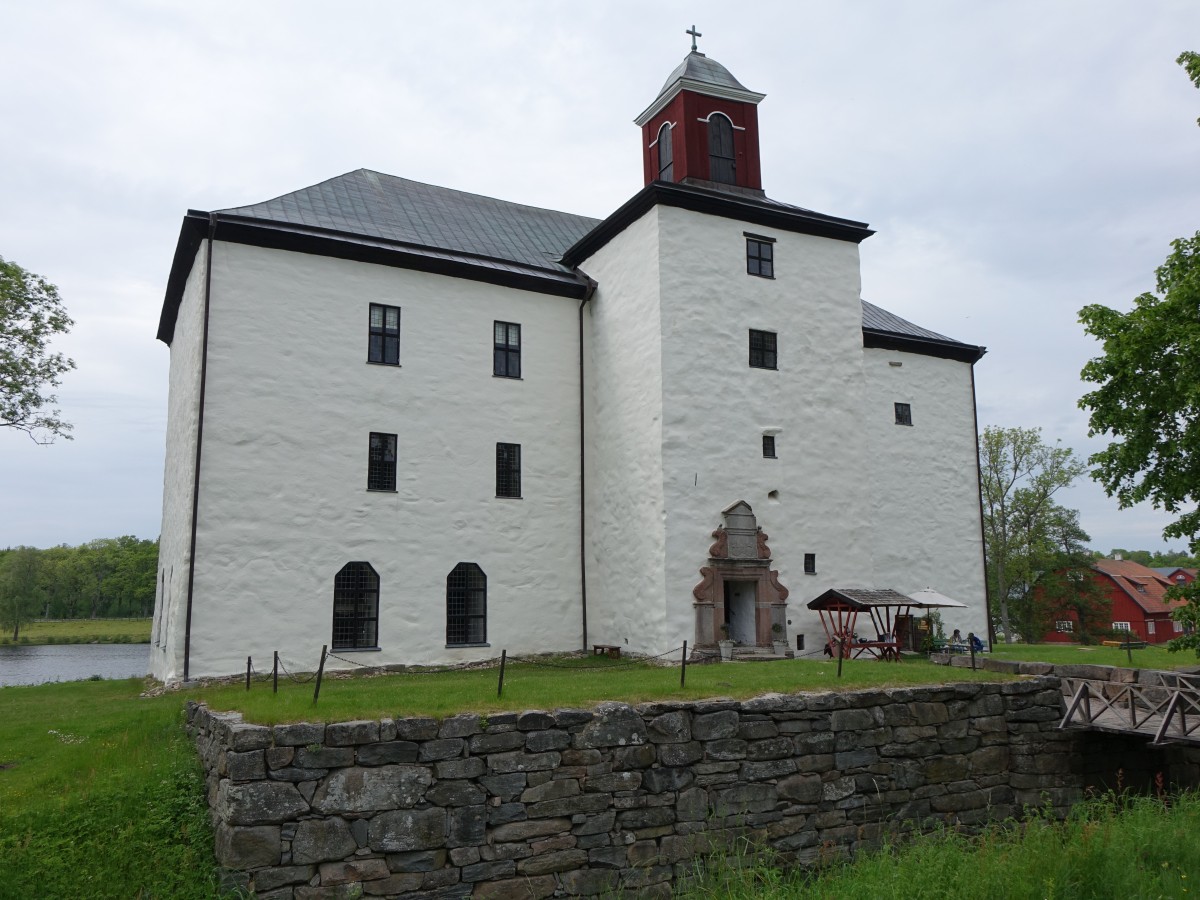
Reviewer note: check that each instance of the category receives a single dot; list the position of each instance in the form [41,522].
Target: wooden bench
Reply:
[610,650]
[1135,644]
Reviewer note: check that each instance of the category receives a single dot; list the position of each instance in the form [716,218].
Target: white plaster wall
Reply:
[718,409]
[183,401]
[924,481]
[625,505]
[283,502]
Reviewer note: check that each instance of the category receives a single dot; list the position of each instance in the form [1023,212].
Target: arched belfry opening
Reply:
[738,588]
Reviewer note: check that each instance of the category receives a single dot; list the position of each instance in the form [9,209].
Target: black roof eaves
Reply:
[890,340]
[716,203]
[338,245]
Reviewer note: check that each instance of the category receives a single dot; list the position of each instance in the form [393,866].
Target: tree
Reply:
[19,590]
[31,314]
[1067,585]
[1020,474]
[1148,400]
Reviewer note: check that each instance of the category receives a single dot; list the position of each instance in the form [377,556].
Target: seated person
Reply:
[976,644]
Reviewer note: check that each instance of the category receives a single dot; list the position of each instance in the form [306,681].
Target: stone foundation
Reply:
[582,802]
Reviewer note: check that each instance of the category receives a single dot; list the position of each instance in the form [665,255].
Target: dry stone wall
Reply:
[585,802]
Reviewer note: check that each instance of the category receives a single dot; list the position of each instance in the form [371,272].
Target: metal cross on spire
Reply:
[695,34]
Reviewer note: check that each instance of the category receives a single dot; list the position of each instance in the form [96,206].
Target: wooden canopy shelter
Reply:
[839,609]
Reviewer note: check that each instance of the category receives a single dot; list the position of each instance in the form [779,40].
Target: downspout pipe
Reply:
[591,290]
[187,625]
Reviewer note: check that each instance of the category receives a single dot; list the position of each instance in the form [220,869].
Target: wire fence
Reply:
[294,672]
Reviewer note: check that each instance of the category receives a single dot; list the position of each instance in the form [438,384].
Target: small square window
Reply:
[760,258]
[381,462]
[1064,626]
[383,340]
[763,353]
[508,470]
[810,564]
[506,352]
[769,446]
[1121,626]
[903,414]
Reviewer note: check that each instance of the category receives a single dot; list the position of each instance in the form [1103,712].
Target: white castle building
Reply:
[421,426]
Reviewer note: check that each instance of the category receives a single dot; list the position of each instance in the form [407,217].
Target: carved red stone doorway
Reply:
[738,587]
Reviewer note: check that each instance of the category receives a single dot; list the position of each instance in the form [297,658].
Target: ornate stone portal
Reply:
[739,582]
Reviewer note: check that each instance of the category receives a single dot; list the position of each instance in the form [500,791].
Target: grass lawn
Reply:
[1152,657]
[561,682]
[101,795]
[1108,849]
[83,631]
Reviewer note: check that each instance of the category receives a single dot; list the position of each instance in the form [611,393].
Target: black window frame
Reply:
[810,564]
[506,355]
[760,257]
[722,154]
[381,471]
[508,470]
[903,414]
[382,338]
[768,446]
[466,606]
[766,354]
[355,607]
[665,148]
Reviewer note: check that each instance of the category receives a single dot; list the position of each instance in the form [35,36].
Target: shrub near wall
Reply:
[586,802]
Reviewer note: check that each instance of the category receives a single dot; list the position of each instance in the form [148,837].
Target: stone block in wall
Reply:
[657,781]
[598,823]
[402,830]
[324,757]
[350,734]
[767,769]
[359,790]
[541,741]
[519,761]
[417,728]
[461,726]
[470,767]
[271,879]
[322,840]
[490,871]
[535,720]
[505,813]
[467,826]
[353,871]
[279,757]
[299,734]
[641,757]
[295,774]
[516,889]
[258,803]
[455,793]
[715,726]
[386,753]
[246,847]
[447,748]
[801,788]
[583,804]
[613,725]
[547,863]
[680,754]
[670,728]
[744,798]
[417,861]
[397,885]
[590,882]
[250,765]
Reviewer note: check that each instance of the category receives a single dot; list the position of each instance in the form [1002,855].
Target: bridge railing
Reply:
[1168,709]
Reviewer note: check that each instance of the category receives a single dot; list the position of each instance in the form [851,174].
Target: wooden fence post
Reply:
[500,686]
[683,667]
[275,674]
[249,666]
[320,672]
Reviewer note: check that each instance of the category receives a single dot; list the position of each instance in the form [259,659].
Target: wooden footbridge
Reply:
[1164,706]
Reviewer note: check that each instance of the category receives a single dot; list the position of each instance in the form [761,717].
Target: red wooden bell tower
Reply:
[702,129]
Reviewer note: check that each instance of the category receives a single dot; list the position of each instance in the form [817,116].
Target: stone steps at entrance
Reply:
[758,654]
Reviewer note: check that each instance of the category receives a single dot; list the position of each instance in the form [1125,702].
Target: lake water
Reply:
[21,664]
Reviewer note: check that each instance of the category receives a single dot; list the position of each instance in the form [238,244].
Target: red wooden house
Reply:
[1139,606]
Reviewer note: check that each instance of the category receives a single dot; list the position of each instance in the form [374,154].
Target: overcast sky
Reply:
[1018,160]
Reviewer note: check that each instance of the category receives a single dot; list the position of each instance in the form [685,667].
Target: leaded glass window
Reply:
[355,607]
[466,605]
[383,342]
[506,354]
[508,470]
[381,462]
[763,353]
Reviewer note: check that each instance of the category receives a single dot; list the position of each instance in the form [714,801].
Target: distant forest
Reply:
[104,578]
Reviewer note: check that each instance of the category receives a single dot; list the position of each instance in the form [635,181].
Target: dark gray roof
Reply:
[881,320]
[861,598]
[698,67]
[371,204]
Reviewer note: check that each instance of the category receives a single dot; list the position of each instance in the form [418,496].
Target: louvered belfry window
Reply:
[506,353]
[355,607]
[466,605]
[666,159]
[721,160]
[383,342]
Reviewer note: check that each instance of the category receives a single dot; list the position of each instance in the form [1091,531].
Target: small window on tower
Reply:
[383,340]
[666,160]
[769,446]
[903,414]
[760,257]
[763,350]
[810,564]
[506,351]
